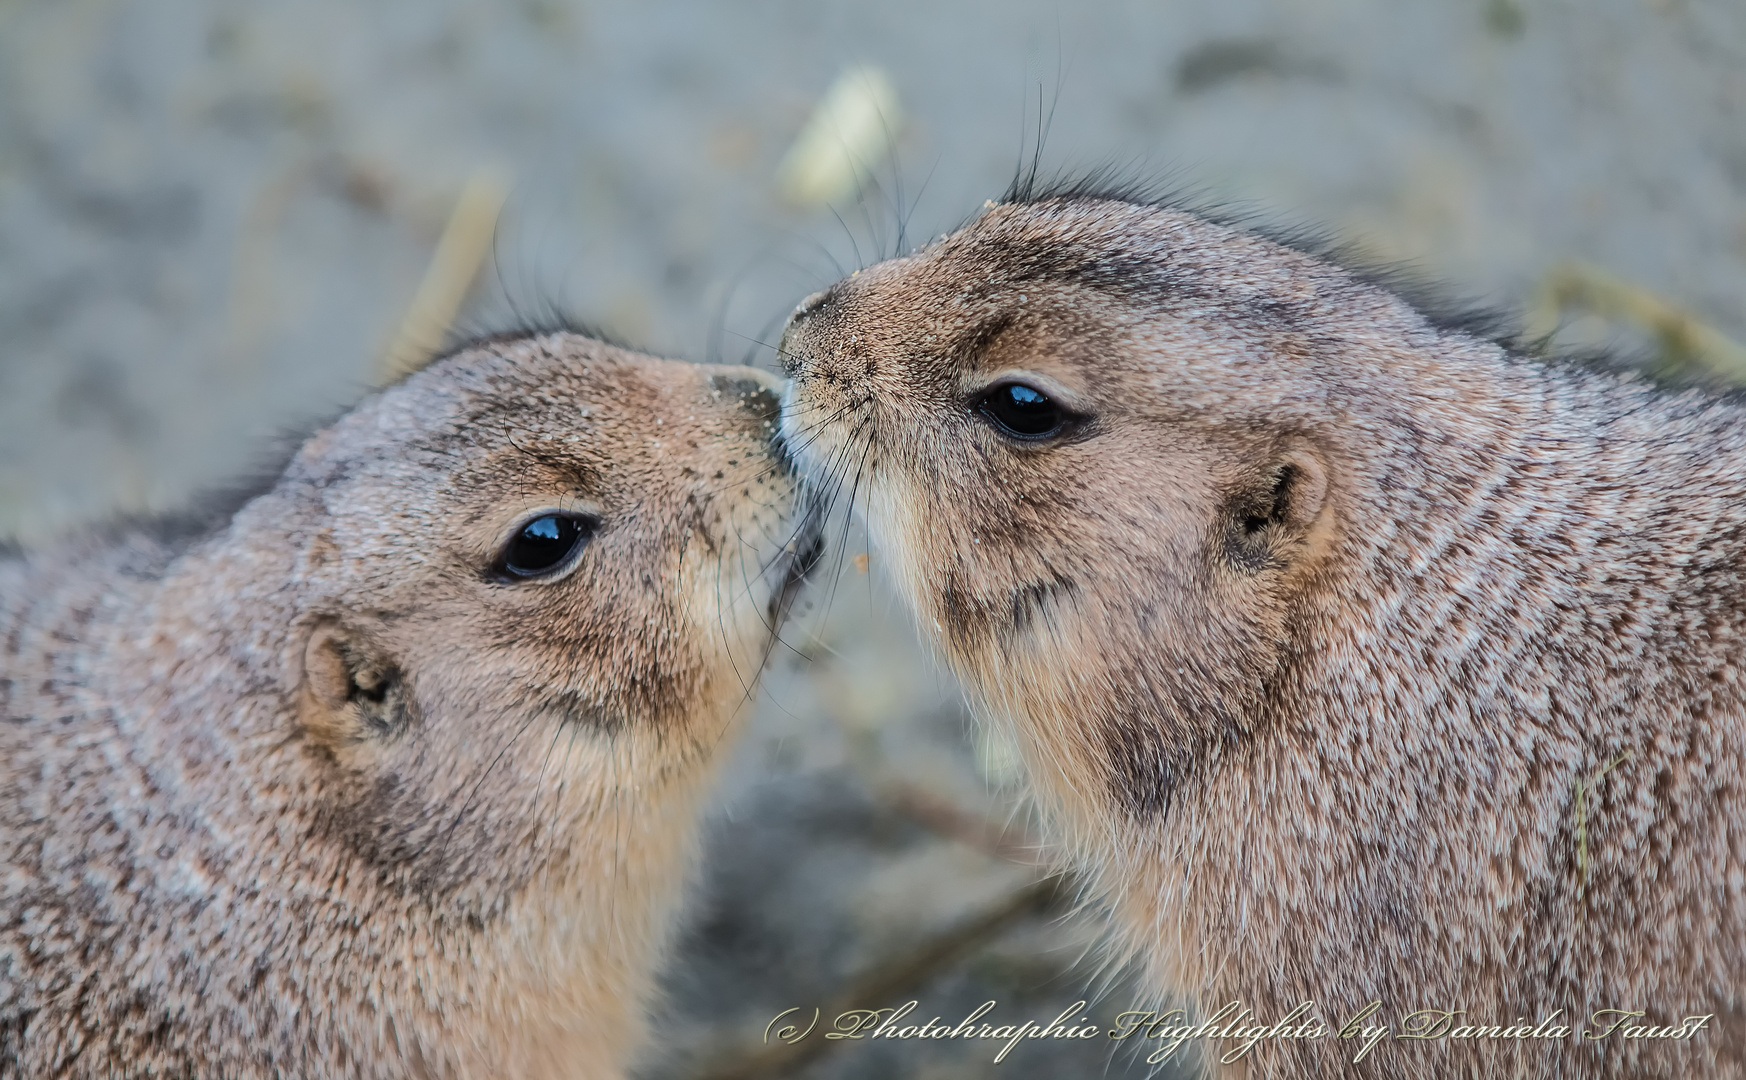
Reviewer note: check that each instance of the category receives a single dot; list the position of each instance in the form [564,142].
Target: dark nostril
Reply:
[792,346]
[786,349]
[764,400]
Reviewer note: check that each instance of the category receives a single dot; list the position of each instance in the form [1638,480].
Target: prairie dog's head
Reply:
[1109,453]
[534,585]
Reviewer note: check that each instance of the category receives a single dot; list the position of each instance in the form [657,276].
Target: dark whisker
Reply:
[860,263]
[849,513]
[916,203]
[448,835]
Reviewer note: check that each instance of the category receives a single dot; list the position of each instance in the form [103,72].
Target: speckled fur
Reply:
[1334,758]
[199,880]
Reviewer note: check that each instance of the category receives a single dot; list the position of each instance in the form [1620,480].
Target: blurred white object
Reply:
[849,134]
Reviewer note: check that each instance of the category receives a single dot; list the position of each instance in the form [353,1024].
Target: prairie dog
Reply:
[1356,658]
[397,772]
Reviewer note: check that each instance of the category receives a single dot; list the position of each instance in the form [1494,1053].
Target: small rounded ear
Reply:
[352,692]
[1305,486]
[1273,510]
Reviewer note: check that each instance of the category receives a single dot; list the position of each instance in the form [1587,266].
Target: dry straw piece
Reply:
[465,242]
[1686,341]
[847,136]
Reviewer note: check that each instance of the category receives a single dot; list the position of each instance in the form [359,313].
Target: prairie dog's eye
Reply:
[1021,411]
[545,546]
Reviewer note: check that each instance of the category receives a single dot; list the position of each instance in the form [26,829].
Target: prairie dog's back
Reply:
[84,816]
[51,611]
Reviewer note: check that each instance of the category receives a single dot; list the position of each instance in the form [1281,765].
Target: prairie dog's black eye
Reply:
[546,545]
[1023,412]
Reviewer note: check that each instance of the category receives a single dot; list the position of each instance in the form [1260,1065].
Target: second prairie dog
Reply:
[1356,658]
[384,777]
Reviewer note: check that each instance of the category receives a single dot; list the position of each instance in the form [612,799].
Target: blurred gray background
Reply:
[215,215]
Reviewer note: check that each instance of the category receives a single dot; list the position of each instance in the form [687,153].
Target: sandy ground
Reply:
[213,217]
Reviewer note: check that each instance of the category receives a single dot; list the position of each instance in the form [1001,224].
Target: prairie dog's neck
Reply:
[1518,612]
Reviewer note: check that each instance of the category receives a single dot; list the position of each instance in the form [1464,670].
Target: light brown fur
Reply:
[1312,629]
[317,795]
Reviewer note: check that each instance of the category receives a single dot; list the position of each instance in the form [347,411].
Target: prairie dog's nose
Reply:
[758,390]
[786,346]
[747,380]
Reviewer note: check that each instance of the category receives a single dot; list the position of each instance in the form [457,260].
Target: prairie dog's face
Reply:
[1070,463]
[545,575]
